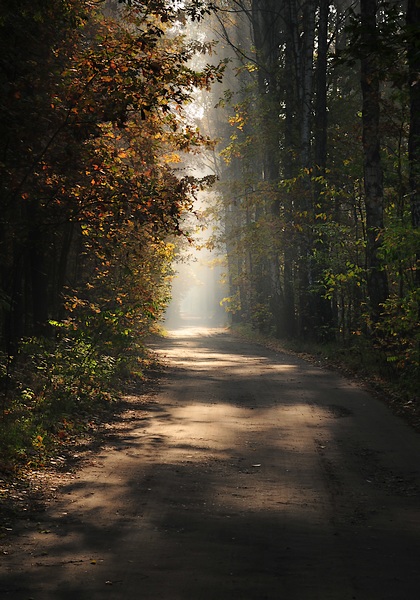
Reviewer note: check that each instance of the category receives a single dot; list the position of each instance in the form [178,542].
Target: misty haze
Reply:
[209,300]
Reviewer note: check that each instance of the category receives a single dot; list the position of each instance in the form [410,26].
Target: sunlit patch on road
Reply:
[246,474]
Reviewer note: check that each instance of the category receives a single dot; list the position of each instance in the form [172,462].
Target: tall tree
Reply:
[92,116]
[373,174]
[413,56]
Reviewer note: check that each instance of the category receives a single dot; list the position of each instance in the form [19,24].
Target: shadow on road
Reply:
[246,474]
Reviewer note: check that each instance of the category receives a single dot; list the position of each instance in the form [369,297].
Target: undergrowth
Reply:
[58,390]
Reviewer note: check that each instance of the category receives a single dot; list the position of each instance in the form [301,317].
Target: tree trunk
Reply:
[413,56]
[305,87]
[266,23]
[322,314]
[37,276]
[321,120]
[373,177]
[306,81]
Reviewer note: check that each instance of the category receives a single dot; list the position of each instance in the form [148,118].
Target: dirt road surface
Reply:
[247,475]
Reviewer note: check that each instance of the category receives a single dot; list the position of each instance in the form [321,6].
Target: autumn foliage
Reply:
[92,122]
[92,133]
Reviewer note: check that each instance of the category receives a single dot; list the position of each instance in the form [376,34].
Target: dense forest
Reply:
[318,170]
[93,197]
[310,136]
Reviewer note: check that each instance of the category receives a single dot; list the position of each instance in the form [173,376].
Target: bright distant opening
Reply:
[197,291]
[198,287]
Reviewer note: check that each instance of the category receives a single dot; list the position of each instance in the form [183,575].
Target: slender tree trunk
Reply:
[287,325]
[321,118]
[266,24]
[289,167]
[62,269]
[15,321]
[323,316]
[413,55]
[305,84]
[373,177]
[37,271]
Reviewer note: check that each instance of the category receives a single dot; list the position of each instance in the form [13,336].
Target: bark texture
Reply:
[373,174]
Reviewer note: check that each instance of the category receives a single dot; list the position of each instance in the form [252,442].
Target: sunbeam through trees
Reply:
[277,143]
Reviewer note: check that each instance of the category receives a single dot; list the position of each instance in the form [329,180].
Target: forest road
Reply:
[247,474]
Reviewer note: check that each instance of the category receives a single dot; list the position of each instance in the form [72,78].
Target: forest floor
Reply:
[235,472]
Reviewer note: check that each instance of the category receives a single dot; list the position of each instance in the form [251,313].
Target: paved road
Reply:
[248,475]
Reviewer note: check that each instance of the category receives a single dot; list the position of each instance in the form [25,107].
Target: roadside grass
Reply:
[57,399]
[357,359]
[56,394]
